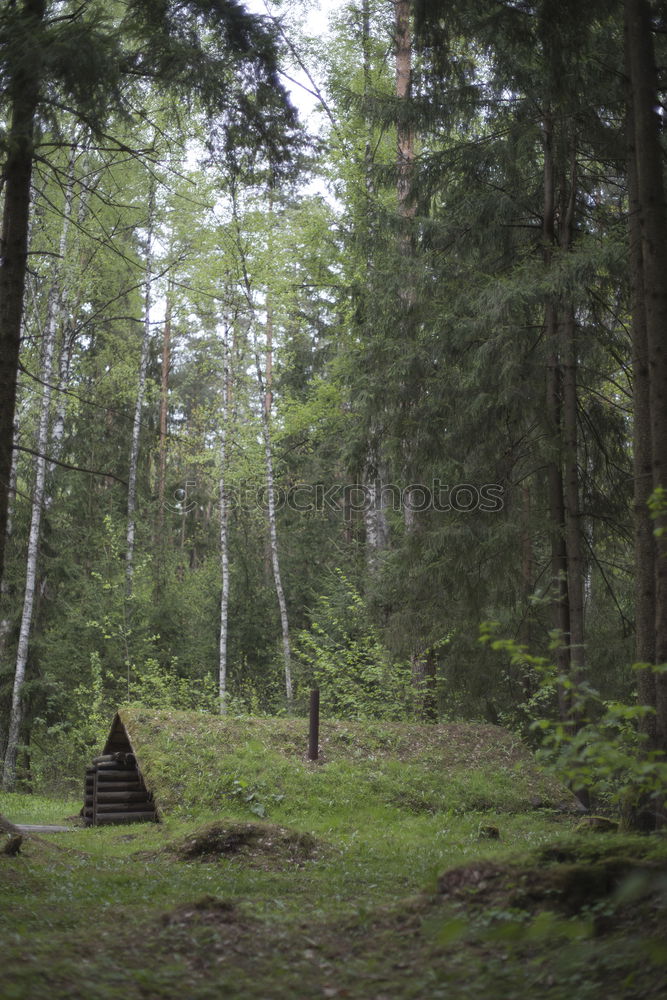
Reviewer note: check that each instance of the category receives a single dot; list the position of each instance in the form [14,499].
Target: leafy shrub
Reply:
[600,748]
[342,655]
[157,686]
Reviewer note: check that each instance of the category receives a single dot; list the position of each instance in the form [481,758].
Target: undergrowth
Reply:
[371,876]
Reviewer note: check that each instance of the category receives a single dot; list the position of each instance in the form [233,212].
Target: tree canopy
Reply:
[291,402]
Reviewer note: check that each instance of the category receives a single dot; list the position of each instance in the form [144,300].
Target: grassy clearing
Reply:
[38,808]
[367,877]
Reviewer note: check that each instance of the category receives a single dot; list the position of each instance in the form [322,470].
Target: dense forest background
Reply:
[304,403]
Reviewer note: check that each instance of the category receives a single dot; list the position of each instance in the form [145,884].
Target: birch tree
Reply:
[224,524]
[264,393]
[264,385]
[139,399]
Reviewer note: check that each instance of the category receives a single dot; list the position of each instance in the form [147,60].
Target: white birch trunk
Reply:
[50,334]
[273,534]
[6,621]
[64,363]
[136,424]
[265,407]
[375,512]
[224,539]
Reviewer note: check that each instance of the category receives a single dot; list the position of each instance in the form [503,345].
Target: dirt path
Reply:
[39,828]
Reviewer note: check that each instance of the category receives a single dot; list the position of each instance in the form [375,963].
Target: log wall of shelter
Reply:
[114,788]
[115,792]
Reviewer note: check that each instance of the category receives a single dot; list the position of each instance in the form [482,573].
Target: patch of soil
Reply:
[479,880]
[566,885]
[259,844]
[207,910]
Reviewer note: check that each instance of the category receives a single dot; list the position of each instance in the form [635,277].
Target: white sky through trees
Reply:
[313,18]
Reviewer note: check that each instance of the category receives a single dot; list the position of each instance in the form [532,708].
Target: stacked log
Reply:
[115,792]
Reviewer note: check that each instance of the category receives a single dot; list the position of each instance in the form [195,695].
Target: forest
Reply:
[368,395]
[333,364]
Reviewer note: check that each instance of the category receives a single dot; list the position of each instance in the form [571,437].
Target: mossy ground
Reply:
[366,878]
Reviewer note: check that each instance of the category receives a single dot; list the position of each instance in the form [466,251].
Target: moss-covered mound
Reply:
[195,763]
[260,844]
[569,878]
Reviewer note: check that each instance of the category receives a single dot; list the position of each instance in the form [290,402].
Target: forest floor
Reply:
[365,895]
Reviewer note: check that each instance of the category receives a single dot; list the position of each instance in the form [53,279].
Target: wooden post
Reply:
[314,734]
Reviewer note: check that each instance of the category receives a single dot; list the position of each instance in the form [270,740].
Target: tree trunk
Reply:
[405,159]
[554,389]
[48,351]
[645,548]
[136,425]
[23,95]
[67,337]
[273,534]
[373,474]
[164,411]
[573,534]
[405,131]
[224,531]
[570,441]
[652,214]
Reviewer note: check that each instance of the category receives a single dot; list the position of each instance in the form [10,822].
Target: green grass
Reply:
[22,808]
[397,897]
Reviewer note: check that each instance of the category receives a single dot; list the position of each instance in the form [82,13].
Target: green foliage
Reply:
[657,503]
[156,686]
[599,747]
[342,655]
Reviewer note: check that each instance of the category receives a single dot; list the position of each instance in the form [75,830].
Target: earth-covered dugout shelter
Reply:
[157,762]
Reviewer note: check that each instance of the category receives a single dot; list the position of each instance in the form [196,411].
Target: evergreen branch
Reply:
[67,465]
[316,92]
[626,621]
[74,395]
[606,399]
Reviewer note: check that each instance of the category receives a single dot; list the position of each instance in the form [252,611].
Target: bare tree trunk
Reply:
[22,93]
[164,411]
[141,386]
[573,534]
[273,533]
[638,811]
[554,400]
[405,132]
[652,213]
[527,568]
[570,442]
[224,530]
[375,511]
[58,428]
[48,351]
[645,548]
[405,159]
[559,575]
[268,463]
[373,474]
[68,336]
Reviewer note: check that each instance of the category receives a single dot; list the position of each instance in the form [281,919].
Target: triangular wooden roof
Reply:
[118,740]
